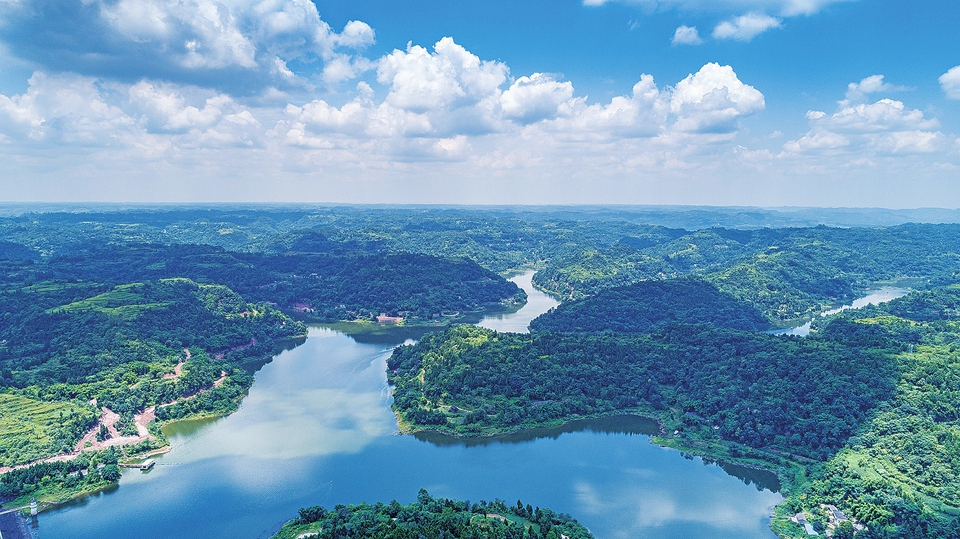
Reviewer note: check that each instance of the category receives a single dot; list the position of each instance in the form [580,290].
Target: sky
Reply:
[852,103]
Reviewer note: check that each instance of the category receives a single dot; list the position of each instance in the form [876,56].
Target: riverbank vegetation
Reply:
[862,415]
[100,338]
[433,518]
[52,483]
[169,311]
[86,366]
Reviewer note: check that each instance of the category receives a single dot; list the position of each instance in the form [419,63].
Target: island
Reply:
[433,518]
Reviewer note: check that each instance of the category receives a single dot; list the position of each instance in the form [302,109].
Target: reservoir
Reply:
[317,429]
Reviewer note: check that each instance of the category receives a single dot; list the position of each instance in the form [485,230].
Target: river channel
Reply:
[873,297]
[317,428]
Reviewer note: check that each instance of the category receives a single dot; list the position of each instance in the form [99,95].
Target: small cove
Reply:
[317,428]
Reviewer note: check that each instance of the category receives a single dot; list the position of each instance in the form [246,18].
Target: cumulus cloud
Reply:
[712,100]
[950,82]
[686,35]
[164,108]
[745,27]
[449,92]
[785,8]
[537,97]
[449,76]
[883,127]
[643,114]
[65,109]
[445,98]
[73,110]
[439,104]
[857,92]
[240,43]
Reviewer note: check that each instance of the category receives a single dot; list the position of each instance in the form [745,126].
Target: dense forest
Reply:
[868,406]
[433,518]
[649,305]
[786,273]
[663,315]
[326,286]
[803,396]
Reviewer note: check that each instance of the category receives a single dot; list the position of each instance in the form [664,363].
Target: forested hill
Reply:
[130,326]
[786,273]
[650,305]
[433,518]
[325,286]
[759,390]
[65,344]
[867,406]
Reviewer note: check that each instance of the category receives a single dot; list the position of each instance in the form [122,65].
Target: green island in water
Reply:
[433,518]
[111,331]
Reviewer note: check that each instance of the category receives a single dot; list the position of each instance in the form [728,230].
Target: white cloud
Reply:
[883,127]
[343,67]
[686,35]
[448,104]
[950,82]
[817,141]
[356,34]
[642,114]
[712,100]
[857,92]
[166,111]
[450,92]
[72,110]
[427,107]
[745,27]
[884,115]
[251,42]
[63,109]
[360,118]
[785,8]
[450,76]
[537,97]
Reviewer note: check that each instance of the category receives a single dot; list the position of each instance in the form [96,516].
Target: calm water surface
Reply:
[317,429]
[874,297]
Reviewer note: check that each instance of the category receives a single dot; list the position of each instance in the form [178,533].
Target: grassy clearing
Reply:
[31,429]
[123,301]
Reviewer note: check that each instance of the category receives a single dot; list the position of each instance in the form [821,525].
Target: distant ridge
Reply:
[686,217]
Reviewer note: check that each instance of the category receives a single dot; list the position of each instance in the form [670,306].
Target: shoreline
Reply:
[789,474]
[785,469]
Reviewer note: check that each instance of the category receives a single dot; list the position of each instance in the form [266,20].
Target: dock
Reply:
[145,466]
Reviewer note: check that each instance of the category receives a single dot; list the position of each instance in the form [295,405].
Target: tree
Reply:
[110,472]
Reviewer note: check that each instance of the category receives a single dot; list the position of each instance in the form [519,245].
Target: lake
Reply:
[317,428]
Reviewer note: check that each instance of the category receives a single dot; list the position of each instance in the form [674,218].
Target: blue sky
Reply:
[728,102]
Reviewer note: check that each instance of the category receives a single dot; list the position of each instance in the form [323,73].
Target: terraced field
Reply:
[32,429]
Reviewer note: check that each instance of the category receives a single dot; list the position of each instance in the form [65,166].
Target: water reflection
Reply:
[619,424]
[519,321]
[333,403]
[761,479]
[317,428]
